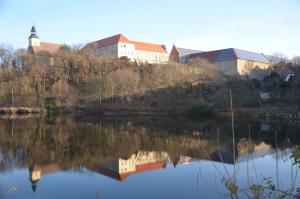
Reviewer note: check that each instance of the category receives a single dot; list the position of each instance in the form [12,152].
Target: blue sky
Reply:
[259,25]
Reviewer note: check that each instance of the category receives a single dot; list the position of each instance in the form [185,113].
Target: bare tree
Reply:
[277,57]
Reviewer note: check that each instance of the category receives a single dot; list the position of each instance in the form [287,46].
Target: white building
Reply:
[119,46]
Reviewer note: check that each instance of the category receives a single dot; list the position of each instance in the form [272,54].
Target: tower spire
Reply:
[33,39]
[33,31]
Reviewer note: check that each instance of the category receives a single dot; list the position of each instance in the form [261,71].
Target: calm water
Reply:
[69,157]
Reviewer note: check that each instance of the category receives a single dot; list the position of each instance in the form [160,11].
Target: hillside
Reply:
[74,79]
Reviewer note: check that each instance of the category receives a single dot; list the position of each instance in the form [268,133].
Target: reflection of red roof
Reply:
[47,169]
[112,174]
[46,47]
[51,168]
[123,176]
[151,166]
[121,38]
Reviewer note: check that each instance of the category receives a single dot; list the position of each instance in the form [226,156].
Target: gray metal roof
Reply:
[251,56]
[233,53]
[224,54]
[184,51]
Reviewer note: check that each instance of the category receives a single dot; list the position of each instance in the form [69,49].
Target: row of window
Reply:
[143,54]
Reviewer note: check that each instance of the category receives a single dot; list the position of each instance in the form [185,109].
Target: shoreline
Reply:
[255,113]
[263,113]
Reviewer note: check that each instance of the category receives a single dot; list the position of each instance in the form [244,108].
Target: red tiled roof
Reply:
[47,47]
[148,47]
[121,38]
[107,41]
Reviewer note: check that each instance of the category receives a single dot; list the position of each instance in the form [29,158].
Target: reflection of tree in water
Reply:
[280,144]
[66,140]
[71,143]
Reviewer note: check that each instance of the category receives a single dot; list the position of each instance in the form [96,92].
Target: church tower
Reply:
[35,174]
[34,40]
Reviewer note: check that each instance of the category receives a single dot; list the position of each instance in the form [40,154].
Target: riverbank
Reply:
[263,113]
[122,111]
[193,111]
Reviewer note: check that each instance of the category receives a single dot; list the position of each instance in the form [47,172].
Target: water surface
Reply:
[67,157]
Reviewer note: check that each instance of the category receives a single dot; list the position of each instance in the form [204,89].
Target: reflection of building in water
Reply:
[245,149]
[34,177]
[255,151]
[182,160]
[142,161]
[245,146]
[121,169]
[36,172]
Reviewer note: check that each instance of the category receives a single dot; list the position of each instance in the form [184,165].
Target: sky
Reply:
[268,26]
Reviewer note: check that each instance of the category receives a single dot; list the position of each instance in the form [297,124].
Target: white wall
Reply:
[128,50]
[34,42]
[151,57]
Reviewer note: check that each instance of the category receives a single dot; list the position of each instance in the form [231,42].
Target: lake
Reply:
[150,157]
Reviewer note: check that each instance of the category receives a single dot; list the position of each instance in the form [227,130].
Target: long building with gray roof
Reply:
[230,61]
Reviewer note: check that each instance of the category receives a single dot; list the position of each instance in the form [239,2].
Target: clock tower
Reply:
[33,39]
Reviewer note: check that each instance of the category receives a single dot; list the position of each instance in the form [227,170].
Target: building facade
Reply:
[119,46]
[234,61]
